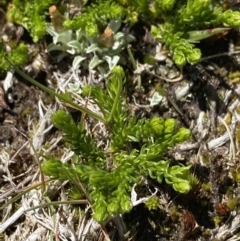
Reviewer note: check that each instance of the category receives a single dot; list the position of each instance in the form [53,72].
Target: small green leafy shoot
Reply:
[18,56]
[31,15]
[109,176]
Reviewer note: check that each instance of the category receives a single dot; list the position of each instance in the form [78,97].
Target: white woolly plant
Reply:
[95,51]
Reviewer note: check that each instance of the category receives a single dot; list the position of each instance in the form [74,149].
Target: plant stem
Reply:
[117,99]
[139,80]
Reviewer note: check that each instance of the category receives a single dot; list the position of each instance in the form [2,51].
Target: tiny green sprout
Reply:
[101,212]
[152,203]
[178,176]
[237,109]
[237,133]
[175,213]
[193,180]
[229,191]
[207,187]
[75,193]
[233,75]
[228,118]
[149,59]
[52,168]
[234,78]
[207,233]
[237,177]
[217,220]
[232,204]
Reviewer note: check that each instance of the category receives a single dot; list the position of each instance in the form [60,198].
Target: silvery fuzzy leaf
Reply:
[156,99]
[63,37]
[115,25]
[75,88]
[116,45]
[61,56]
[79,34]
[103,71]
[71,51]
[77,60]
[129,38]
[95,62]
[121,40]
[93,48]
[54,47]
[51,31]
[112,61]
[118,36]
[75,44]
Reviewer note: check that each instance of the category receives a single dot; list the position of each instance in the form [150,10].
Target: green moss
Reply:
[237,133]
[237,109]
[228,118]
[217,220]
[18,56]
[175,213]
[229,191]
[207,233]
[234,77]
[152,203]
[207,187]
[232,203]
[31,15]
[237,177]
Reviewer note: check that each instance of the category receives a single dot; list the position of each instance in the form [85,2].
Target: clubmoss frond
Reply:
[80,142]
[110,176]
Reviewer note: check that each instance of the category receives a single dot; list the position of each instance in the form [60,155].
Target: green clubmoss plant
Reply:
[109,176]
[152,203]
[193,16]
[31,15]
[96,15]
[18,56]
[173,23]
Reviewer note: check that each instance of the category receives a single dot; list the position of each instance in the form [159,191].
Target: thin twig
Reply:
[230,136]
[138,105]
[219,55]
